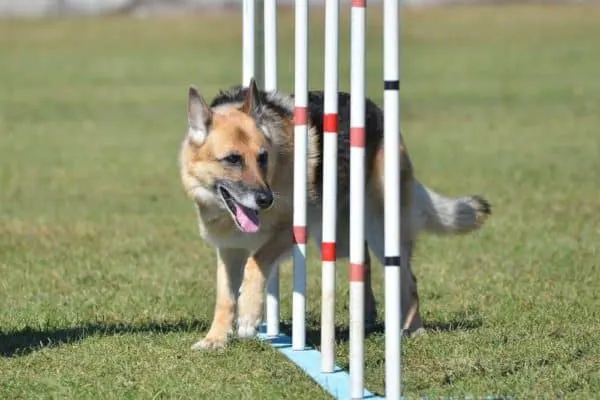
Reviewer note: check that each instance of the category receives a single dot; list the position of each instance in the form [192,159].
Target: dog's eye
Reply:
[263,158]
[233,159]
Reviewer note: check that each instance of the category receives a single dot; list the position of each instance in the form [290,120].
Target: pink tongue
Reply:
[246,218]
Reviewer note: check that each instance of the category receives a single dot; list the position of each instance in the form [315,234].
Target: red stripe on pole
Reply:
[359,3]
[357,137]
[357,272]
[330,123]
[300,235]
[328,251]
[300,116]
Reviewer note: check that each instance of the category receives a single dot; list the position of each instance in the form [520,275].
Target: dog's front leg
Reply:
[229,275]
[257,271]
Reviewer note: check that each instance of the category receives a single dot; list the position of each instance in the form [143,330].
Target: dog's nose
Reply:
[264,198]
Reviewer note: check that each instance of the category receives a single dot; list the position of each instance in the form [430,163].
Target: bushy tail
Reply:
[439,214]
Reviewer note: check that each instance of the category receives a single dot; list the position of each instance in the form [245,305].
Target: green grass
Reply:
[106,283]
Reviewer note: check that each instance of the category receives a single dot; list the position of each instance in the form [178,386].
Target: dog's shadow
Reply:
[27,340]
[457,323]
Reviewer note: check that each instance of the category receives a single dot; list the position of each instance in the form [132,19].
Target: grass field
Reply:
[105,283]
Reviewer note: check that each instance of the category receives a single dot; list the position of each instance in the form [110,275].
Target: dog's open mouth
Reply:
[245,218]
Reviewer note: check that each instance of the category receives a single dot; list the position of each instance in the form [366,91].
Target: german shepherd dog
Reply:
[236,164]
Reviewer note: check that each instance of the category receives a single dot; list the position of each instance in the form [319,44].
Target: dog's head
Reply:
[226,158]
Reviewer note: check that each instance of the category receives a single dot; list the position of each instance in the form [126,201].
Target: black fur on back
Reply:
[373,132]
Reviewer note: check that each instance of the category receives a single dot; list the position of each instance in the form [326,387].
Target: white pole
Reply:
[300,175]
[393,261]
[259,43]
[248,41]
[270,60]
[330,149]
[357,198]
[270,40]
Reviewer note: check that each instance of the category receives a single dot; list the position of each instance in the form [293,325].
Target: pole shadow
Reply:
[458,322]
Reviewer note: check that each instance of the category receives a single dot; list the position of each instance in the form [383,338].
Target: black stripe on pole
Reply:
[391,85]
[391,260]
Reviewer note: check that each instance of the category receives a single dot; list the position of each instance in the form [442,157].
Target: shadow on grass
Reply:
[27,340]
[453,326]
[342,333]
[459,322]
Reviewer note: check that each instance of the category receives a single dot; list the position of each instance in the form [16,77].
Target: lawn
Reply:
[105,283]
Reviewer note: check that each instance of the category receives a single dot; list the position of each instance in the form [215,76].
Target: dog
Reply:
[236,165]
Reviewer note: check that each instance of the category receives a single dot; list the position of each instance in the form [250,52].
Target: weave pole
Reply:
[270,60]
[357,198]
[260,61]
[300,175]
[330,149]
[249,44]
[392,227]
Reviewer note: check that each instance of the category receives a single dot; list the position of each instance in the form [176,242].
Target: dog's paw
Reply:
[415,334]
[210,343]
[419,332]
[247,327]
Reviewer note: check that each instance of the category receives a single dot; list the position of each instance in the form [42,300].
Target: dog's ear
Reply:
[199,116]
[252,103]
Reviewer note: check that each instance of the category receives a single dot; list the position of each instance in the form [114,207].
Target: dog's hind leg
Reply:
[411,318]
[374,230]
[370,303]
[343,252]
